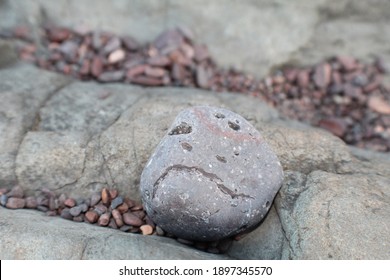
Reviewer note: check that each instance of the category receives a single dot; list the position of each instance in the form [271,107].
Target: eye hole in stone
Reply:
[221,158]
[219,115]
[186,146]
[183,128]
[233,125]
[267,204]
[236,153]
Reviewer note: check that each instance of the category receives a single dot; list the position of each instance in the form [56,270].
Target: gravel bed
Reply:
[340,94]
[106,209]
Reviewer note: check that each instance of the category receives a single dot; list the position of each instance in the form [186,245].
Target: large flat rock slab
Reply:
[30,234]
[76,138]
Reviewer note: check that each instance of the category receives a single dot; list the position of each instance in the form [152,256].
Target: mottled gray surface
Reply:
[29,234]
[212,176]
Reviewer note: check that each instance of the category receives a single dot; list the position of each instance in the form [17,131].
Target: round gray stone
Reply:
[212,176]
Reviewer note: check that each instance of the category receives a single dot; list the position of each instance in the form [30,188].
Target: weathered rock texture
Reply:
[333,203]
[212,176]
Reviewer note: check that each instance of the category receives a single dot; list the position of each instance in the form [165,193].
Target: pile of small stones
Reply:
[340,94]
[106,209]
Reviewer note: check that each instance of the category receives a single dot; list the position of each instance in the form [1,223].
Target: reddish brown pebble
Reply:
[15,203]
[135,71]
[106,198]
[104,219]
[146,81]
[97,66]
[155,72]
[347,63]
[160,61]
[137,207]
[123,208]
[139,213]
[16,191]
[91,216]
[117,217]
[322,75]
[334,125]
[178,72]
[146,229]
[379,105]
[303,78]
[70,202]
[130,202]
[58,34]
[131,219]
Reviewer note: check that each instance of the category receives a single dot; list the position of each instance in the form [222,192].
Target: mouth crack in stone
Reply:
[213,177]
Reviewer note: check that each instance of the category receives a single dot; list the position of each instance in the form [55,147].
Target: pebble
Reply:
[104,219]
[123,208]
[91,216]
[117,217]
[100,209]
[160,231]
[116,202]
[125,228]
[15,203]
[111,76]
[146,229]
[379,105]
[116,56]
[42,208]
[95,198]
[106,197]
[322,75]
[70,202]
[3,199]
[16,191]
[131,219]
[210,195]
[65,213]
[75,211]
[97,66]
[31,202]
